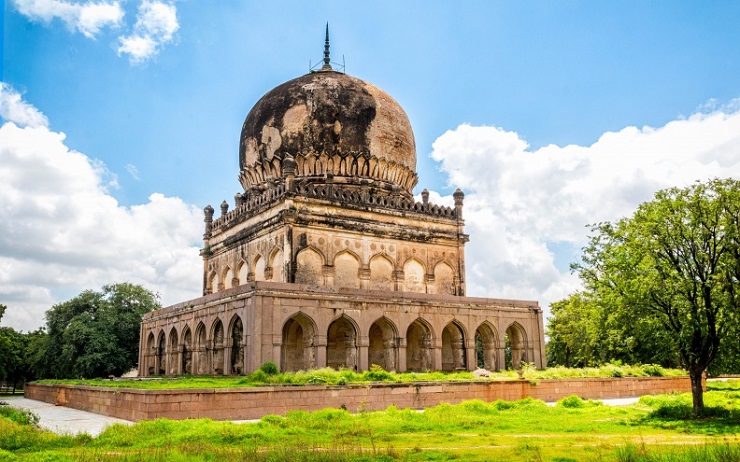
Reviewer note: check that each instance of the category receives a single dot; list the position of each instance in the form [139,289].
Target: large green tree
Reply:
[95,334]
[675,263]
[583,332]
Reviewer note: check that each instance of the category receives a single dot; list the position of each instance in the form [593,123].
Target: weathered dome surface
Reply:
[337,128]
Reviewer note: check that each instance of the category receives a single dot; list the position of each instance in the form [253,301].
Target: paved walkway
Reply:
[65,420]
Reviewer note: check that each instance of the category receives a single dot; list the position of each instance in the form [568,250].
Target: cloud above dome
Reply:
[527,210]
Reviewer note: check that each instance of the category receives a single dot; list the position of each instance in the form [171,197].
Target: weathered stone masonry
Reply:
[327,259]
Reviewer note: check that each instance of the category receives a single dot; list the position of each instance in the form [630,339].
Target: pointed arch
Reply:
[259,268]
[383,344]
[347,269]
[515,344]
[453,347]
[227,276]
[200,359]
[414,276]
[217,336]
[236,338]
[187,350]
[298,351]
[242,271]
[212,285]
[161,359]
[444,279]
[310,267]
[419,337]
[341,343]
[277,263]
[151,355]
[381,272]
[486,339]
[174,350]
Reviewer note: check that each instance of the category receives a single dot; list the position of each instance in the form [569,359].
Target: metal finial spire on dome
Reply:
[327,60]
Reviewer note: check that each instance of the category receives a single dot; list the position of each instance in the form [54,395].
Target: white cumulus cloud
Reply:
[156,24]
[86,17]
[62,232]
[524,208]
[14,109]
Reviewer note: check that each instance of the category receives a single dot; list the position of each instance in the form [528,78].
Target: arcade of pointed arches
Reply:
[345,270]
[219,349]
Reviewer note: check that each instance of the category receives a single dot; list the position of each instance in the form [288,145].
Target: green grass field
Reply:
[655,429]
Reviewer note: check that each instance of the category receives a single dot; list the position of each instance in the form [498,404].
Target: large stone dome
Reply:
[336,128]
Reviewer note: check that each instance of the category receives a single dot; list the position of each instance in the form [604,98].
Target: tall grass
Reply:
[528,429]
[329,376]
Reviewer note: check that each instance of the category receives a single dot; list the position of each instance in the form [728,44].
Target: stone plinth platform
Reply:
[253,403]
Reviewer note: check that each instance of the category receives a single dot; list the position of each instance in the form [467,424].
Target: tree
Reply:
[95,334]
[676,263]
[583,332]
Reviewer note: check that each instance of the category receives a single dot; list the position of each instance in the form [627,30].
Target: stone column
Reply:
[471,357]
[179,356]
[390,351]
[228,367]
[362,360]
[402,366]
[320,348]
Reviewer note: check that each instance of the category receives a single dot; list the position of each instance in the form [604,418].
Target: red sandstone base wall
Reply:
[253,403]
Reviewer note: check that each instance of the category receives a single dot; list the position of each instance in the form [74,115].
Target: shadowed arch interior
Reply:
[453,348]
[151,354]
[172,361]
[161,359]
[218,348]
[383,347]
[485,347]
[341,346]
[187,351]
[201,360]
[237,347]
[516,346]
[419,347]
[298,350]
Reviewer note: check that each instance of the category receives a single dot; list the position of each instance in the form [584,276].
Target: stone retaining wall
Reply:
[253,403]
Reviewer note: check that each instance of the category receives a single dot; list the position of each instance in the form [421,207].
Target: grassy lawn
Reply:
[330,376]
[657,428]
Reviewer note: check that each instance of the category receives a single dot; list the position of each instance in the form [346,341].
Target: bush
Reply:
[19,416]
[377,374]
[259,376]
[572,401]
[269,368]
[653,370]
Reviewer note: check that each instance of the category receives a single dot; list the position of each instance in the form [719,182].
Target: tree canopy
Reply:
[664,280]
[95,334]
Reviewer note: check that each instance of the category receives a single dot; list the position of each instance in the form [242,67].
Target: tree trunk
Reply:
[697,391]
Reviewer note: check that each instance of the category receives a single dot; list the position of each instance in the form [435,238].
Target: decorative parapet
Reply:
[362,197]
[350,165]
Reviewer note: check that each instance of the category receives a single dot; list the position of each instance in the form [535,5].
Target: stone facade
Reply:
[327,260]
[301,327]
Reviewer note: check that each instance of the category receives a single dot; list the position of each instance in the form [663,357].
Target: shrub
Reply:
[269,368]
[572,401]
[19,416]
[377,374]
[653,370]
[258,376]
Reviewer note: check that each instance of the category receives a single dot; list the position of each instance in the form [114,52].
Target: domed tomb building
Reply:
[326,259]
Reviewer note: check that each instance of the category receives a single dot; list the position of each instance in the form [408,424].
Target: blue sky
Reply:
[519,97]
